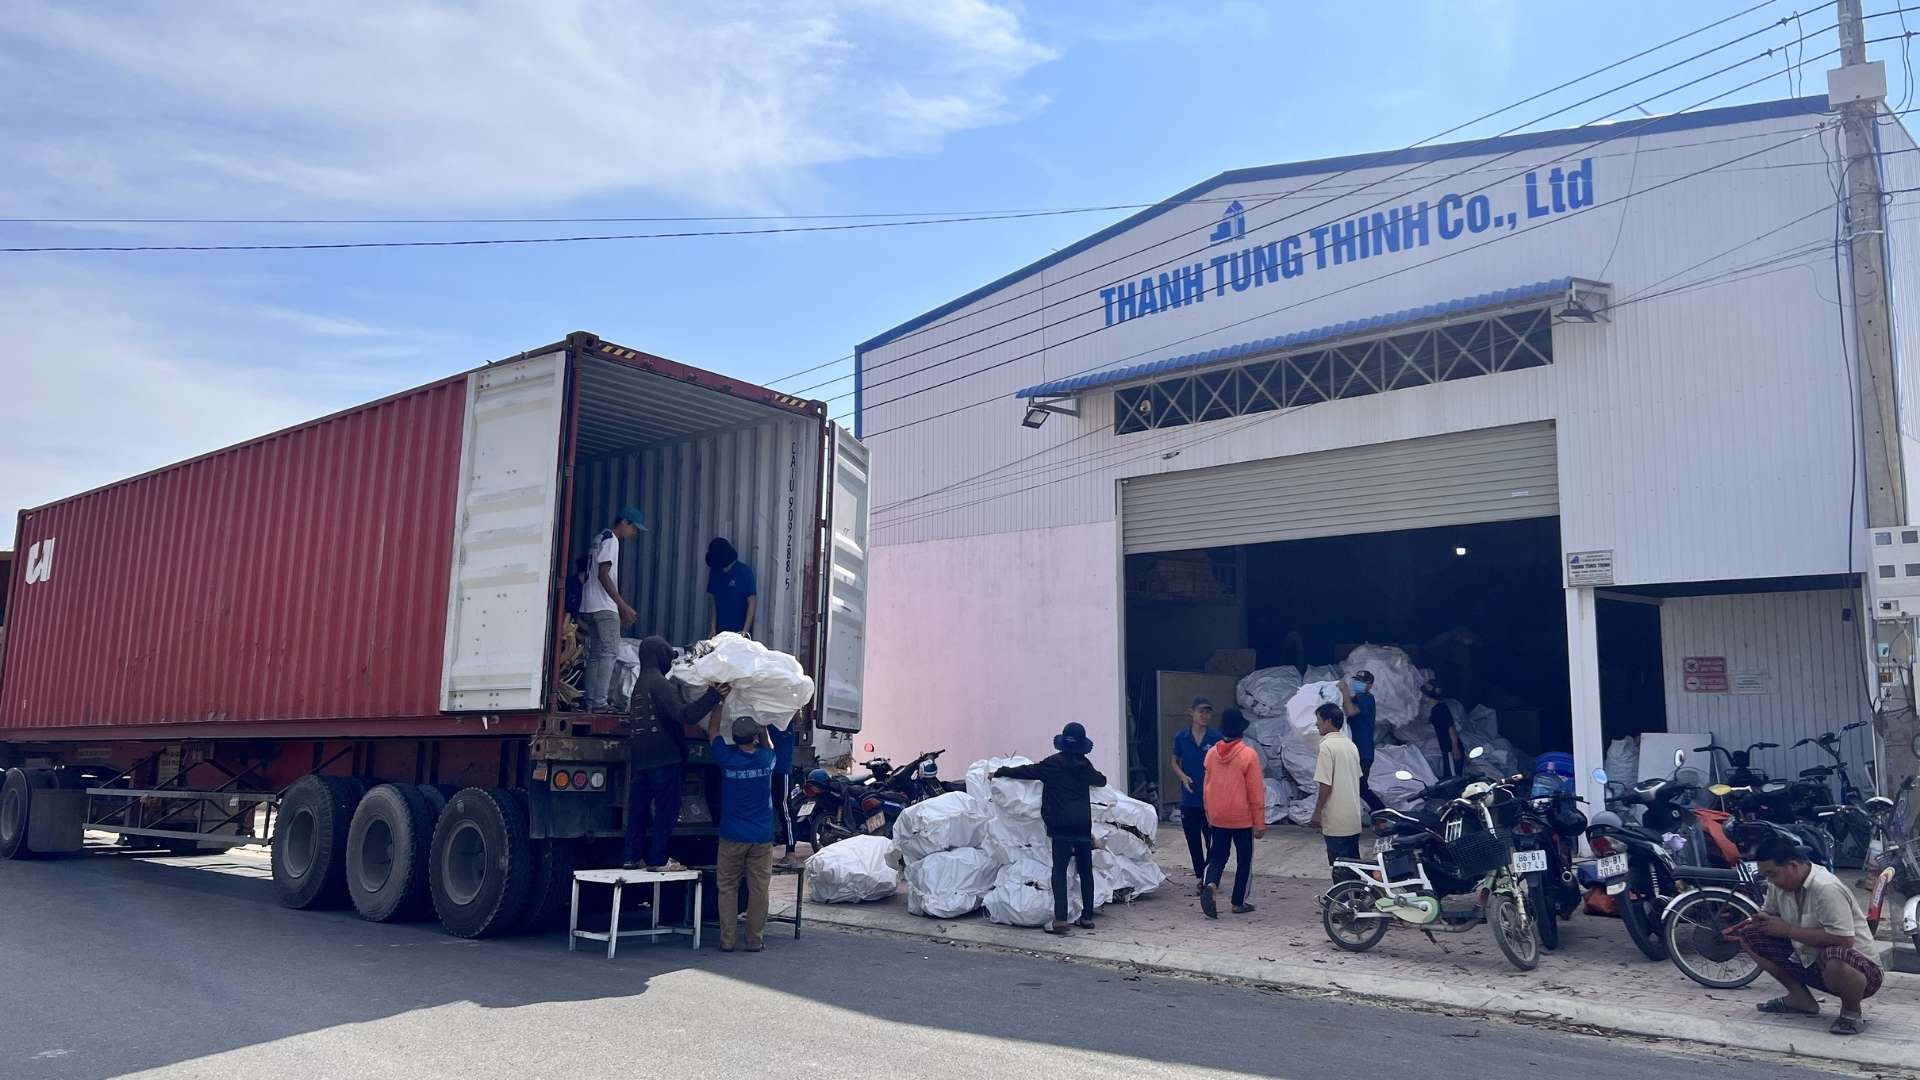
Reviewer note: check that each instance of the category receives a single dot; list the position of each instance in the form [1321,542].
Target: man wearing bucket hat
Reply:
[1067,780]
[603,611]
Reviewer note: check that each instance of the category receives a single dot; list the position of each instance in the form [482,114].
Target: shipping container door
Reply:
[843,670]
[499,607]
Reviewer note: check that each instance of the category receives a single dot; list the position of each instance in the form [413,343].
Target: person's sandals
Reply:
[1242,909]
[1848,1024]
[1085,923]
[1207,905]
[1785,1007]
[1055,928]
[755,948]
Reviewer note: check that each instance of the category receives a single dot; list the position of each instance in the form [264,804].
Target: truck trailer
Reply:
[346,640]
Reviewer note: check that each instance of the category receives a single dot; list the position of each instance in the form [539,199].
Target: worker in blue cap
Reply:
[603,611]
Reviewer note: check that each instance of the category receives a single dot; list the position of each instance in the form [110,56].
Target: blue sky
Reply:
[117,363]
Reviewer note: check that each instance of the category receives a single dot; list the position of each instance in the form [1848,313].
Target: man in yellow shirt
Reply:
[1337,812]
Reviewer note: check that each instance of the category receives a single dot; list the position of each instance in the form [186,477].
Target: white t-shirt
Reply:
[1337,769]
[594,597]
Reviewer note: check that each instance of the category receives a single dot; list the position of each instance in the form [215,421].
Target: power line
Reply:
[1326,202]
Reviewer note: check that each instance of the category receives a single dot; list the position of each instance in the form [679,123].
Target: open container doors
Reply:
[844,651]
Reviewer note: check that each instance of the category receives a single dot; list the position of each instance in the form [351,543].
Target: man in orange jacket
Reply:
[1236,808]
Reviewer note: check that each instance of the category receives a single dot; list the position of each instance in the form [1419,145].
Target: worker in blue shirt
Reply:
[746,827]
[783,740]
[730,584]
[1190,746]
[1356,692]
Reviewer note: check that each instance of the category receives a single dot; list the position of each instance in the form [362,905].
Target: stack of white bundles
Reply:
[1396,688]
[1128,878]
[1011,839]
[949,884]
[1279,796]
[1265,692]
[768,685]
[938,845]
[1390,760]
[1014,798]
[1022,894]
[953,820]
[853,871]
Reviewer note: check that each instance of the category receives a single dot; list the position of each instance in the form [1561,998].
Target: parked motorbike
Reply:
[1545,839]
[1897,865]
[826,808]
[1766,811]
[1674,909]
[1815,786]
[1425,858]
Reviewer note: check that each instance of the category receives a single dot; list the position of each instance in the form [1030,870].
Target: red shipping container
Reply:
[298,577]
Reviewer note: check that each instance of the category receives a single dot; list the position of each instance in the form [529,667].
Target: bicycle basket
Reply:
[1476,854]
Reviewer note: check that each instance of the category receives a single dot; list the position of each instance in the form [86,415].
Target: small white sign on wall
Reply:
[1751,682]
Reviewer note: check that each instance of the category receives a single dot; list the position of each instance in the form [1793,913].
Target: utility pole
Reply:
[1857,89]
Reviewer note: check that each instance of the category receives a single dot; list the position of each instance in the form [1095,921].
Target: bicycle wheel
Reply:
[1514,935]
[1338,917]
[1695,938]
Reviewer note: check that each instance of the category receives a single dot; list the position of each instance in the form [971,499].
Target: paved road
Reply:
[186,968]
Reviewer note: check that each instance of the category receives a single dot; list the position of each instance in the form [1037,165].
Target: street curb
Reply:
[1812,1042]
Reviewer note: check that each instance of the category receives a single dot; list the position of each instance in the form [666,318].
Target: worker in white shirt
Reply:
[603,611]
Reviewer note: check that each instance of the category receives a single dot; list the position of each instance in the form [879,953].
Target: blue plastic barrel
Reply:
[1553,772]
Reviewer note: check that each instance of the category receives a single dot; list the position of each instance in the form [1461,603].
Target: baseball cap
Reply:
[745,729]
[634,517]
[1200,701]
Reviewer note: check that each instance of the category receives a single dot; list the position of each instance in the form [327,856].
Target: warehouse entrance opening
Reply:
[1480,605]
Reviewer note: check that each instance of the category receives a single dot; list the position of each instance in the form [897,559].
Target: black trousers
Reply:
[1374,803]
[1241,840]
[1193,821]
[1342,847]
[1081,853]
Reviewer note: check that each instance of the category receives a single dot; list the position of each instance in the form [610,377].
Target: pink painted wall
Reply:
[986,645]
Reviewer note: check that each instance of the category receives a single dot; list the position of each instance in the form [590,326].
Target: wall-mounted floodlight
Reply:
[1038,411]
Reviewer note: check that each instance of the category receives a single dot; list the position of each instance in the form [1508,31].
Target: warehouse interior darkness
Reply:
[1481,604]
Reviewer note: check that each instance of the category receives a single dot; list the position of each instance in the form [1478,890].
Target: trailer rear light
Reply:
[560,779]
[598,780]
[579,779]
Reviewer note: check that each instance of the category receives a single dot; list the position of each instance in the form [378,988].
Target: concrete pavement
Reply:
[1596,980]
[182,968]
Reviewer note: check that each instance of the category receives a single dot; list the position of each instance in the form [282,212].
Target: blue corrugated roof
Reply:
[1373,324]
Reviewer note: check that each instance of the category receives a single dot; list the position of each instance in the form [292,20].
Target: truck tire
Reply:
[482,865]
[310,843]
[436,795]
[387,848]
[16,809]
[552,891]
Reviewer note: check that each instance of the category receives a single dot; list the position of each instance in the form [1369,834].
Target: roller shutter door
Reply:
[1496,474]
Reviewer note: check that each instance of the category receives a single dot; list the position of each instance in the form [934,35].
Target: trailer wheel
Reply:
[387,848]
[482,863]
[552,891]
[309,842]
[436,796]
[16,808]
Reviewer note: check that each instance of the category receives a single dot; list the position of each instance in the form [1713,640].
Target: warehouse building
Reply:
[1568,415]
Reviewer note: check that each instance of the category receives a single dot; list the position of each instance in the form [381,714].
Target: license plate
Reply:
[877,822]
[1751,869]
[1529,862]
[1611,866]
[806,809]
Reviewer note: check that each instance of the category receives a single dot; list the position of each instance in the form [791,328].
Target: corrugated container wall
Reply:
[302,576]
[758,486]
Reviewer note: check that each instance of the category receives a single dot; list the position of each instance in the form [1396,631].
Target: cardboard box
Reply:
[1177,689]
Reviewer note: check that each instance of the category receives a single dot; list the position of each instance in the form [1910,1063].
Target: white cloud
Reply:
[233,104]
[108,377]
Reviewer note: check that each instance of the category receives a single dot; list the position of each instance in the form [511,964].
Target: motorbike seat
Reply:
[1402,823]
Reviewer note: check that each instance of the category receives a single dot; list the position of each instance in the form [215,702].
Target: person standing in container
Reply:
[1190,746]
[730,584]
[603,611]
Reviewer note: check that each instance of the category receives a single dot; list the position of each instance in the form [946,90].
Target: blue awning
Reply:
[1300,339]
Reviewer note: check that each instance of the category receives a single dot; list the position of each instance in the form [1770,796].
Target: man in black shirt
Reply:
[1067,780]
[656,750]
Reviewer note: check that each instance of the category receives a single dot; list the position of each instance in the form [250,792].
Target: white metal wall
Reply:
[1798,640]
[758,486]
[1703,434]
